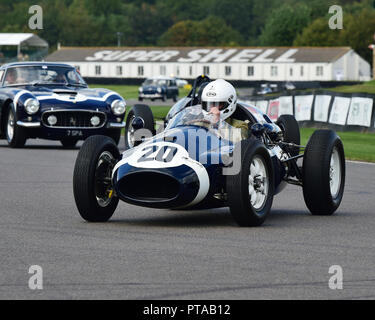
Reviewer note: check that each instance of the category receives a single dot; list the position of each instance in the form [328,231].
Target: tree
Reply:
[212,31]
[358,33]
[284,24]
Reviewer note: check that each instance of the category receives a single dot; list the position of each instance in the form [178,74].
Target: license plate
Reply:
[74,133]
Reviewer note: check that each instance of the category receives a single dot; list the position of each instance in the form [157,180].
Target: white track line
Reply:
[361,162]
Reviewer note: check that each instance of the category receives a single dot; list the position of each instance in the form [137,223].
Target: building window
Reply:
[206,70]
[250,71]
[140,71]
[301,71]
[228,70]
[273,71]
[291,72]
[119,70]
[98,70]
[163,70]
[319,71]
[190,70]
[177,70]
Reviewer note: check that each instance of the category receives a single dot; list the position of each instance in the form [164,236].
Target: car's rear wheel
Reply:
[250,192]
[323,173]
[92,183]
[143,112]
[15,135]
[69,143]
[289,125]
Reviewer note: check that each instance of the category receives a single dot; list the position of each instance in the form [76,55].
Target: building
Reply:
[245,63]
[21,46]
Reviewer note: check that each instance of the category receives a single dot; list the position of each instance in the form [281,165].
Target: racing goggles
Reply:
[208,105]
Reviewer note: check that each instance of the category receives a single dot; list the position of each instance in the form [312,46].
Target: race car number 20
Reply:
[158,153]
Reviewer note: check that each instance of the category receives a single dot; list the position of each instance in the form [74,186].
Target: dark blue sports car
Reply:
[52,101]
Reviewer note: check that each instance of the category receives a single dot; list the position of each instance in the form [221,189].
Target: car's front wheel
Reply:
[14,134]
[323,173]
[92,183]
[144,113]
[250,192]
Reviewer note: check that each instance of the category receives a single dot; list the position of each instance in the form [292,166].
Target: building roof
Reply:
[15,39]
[200,54]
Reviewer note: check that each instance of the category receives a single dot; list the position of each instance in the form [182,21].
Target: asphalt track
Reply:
[159,254]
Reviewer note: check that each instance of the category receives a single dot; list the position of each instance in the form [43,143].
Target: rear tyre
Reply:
[175,98]
[144,112]
[289,125]
[164,98]
[15,135]
[140,99]
[92,186]
[68,143]
[250,192]
[323,173]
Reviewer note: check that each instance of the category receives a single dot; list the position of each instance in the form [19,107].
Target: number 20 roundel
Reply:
[158,155]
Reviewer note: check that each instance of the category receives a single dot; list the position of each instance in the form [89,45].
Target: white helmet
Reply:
[220,93]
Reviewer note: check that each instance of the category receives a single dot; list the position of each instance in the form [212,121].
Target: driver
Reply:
[219,99]
[11,76]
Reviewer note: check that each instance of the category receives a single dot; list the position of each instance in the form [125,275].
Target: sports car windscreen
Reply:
[34,75]
[155,82]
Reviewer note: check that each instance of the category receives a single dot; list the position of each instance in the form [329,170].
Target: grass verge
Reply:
[358,146]
[130,92]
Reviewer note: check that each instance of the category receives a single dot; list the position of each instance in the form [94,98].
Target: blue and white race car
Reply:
[52,101]
[197,163]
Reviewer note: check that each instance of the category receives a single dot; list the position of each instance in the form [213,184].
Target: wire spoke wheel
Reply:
[258,183]
[131,133]
[250,191]
[92,180]
[335,173]
[103,173]
[10,126]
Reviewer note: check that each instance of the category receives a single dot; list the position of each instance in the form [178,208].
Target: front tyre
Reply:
[14,134]
[92,185]
[323,173]
[250,192]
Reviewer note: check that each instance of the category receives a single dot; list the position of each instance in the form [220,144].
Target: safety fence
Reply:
[322,109]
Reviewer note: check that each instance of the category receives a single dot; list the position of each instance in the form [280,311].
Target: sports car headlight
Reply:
[31,106]
[159,90]
[118,107]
